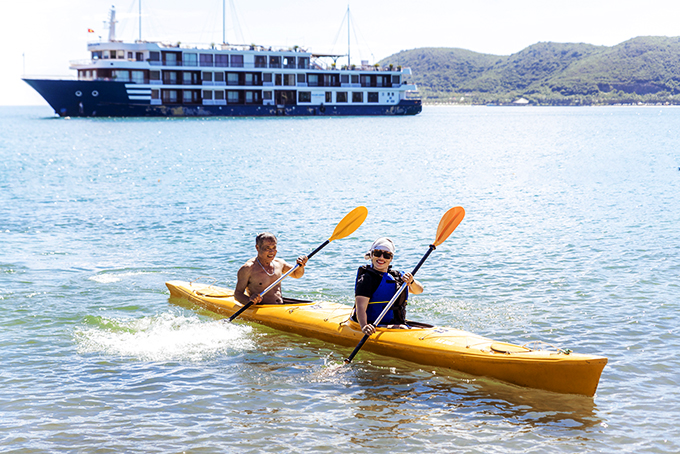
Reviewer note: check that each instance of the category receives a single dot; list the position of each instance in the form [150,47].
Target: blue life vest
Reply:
[382,295]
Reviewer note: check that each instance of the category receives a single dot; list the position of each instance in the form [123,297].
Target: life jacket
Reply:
[390,282]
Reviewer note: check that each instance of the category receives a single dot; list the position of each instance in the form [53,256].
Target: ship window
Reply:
[266,95]
[186,78]
[219,77]
[341,96]
[395,80]
[155,94]
[274,61]
[96,55]
[170,77]
[329,96]
[249,97]
[232,97]
[365,81]
[207,76]
[222,61]
[207,94]
[260,61]
[154,75]
[106,54]
[154,57]
[232,78]
[267,77]
[289,79]
[379,81]
[373,96]
[170,59]
[206,59]
[121,55]
[236,61]
[186,96]
[304,96]
[139,56]
[190,60]
[289,62]
[248,79]
[303,62]
[169,96]
[344,78]
[278,80]
[129,55]
[138,77]
[357,96]
[355,79]
[313,80]
[219,95]
[121,75]
[301,78]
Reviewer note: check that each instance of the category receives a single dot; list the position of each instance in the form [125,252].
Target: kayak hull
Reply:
[554,370]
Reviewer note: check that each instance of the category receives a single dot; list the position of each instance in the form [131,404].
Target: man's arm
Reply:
[300,270]
[243,277]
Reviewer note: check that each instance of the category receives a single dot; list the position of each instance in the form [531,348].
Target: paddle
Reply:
[346,227]
[447,225]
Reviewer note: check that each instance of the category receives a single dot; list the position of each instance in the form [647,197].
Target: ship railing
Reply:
[412,95]
[42,76]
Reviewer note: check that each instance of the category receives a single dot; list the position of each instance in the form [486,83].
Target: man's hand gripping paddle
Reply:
[346,227]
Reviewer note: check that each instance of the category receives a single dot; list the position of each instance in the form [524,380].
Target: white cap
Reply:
[384,244]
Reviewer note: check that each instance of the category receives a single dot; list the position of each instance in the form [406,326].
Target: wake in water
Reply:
[164,337]
[109,277]
[332,370]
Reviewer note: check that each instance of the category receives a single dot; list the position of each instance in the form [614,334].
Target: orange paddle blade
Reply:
[350,223]
[448,224]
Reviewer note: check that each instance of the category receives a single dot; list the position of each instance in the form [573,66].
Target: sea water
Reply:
[571,238]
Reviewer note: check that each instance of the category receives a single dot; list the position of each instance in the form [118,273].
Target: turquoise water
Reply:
[571,237]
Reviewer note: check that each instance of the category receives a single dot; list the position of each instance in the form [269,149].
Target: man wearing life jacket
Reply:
[375,286]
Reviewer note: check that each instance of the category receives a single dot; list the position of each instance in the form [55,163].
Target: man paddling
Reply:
[263,270]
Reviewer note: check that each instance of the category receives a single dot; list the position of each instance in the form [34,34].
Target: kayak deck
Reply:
[555,370]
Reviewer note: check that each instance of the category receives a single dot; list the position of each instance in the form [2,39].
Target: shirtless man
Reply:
[260,272]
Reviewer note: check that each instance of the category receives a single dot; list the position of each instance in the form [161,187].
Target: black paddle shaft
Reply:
[323,245]
[366,336]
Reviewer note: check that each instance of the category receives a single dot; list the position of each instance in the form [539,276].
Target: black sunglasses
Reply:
[380,253]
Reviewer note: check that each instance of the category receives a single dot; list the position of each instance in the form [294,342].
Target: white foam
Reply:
[105,278]
[108,278]
[163,337]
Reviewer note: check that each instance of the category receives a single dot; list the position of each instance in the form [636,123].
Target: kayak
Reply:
[553,369]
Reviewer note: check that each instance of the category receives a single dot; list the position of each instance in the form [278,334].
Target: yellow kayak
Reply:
[554,370]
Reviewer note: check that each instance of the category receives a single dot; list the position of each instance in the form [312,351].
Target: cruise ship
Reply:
[145,78]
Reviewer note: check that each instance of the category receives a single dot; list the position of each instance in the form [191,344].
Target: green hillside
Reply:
[641,70]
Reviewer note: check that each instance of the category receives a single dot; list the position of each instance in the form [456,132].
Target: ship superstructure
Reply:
[144,78]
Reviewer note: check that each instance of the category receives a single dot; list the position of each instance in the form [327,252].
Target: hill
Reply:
[641,70]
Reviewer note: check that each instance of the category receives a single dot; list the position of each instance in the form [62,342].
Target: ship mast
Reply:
[112,24]
[140,20]
[348,39]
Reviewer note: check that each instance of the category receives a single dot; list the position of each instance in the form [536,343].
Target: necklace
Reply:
[268,273]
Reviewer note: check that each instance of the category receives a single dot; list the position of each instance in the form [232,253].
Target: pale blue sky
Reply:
[50,33]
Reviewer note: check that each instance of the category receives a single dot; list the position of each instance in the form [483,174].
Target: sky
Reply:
[41,37]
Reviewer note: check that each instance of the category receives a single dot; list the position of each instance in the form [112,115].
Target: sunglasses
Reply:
[380,253]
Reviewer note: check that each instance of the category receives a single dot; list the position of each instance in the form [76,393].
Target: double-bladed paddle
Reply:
[447,225]
[346,227]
